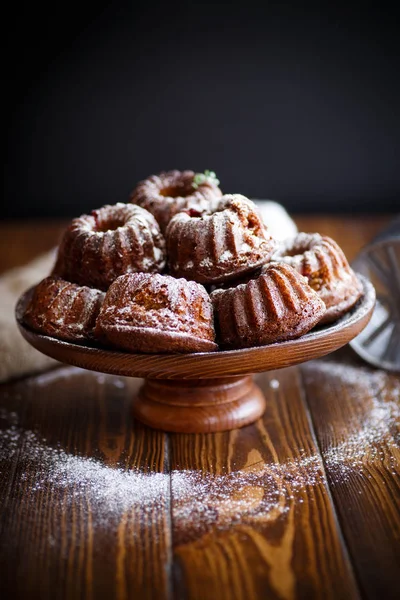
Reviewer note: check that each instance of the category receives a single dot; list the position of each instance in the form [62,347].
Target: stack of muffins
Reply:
[184,268]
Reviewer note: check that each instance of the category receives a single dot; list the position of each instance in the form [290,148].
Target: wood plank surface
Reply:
[303,504]
[356,415]
[251,511]
[86,508]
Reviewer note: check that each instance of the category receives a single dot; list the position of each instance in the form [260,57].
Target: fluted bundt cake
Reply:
[111,241]
[221,246]
[259,293]
[168,193]
[325,266]
[157,313]
[63,310]
[279,305]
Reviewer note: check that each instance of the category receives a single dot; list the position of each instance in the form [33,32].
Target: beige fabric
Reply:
[280,225]
[17,357]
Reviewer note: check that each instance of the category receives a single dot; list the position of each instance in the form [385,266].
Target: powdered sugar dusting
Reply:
[372,433]
[261,493]
[109,492]
[10,436]
[71,313]
[206,262]
[369,444]
[201,501]
[226,256]
[56,375]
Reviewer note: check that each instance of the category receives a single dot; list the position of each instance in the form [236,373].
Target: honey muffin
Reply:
[277,306]
[157,314]
[63,310]
[111,241]
[323,263]
[230,242]
[170,192]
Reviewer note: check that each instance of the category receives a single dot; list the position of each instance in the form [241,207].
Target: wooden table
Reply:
[303,504]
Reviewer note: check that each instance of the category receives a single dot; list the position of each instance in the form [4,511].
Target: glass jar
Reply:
[379,342]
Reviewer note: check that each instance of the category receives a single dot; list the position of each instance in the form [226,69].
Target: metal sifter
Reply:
[379,342]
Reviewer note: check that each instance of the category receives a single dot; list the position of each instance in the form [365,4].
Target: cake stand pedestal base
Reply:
[199,406]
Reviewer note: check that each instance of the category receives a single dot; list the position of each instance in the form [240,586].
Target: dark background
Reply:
[283,102]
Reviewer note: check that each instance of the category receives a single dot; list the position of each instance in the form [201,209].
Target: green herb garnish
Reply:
[206,177]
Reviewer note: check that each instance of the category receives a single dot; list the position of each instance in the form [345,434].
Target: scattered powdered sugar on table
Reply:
[201,501]
[10,417]
[109,491]
[56,375]
[369,443]
[274,384]
[352,375]
[10,436]
[260,494]
[374,435]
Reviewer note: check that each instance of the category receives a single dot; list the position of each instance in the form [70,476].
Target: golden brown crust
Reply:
[111,241]
[170,192]
[259,297]
[323,263]
[157,313]
[230,242]
[63,310]
[279,305]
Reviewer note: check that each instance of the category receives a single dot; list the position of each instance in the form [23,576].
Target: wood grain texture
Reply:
[258,522]
[356,414]
[87,511]
[268,529]
[12,409]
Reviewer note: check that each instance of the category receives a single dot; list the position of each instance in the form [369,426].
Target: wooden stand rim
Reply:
[208,365]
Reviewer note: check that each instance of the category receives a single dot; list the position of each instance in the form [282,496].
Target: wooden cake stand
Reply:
[210,391]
